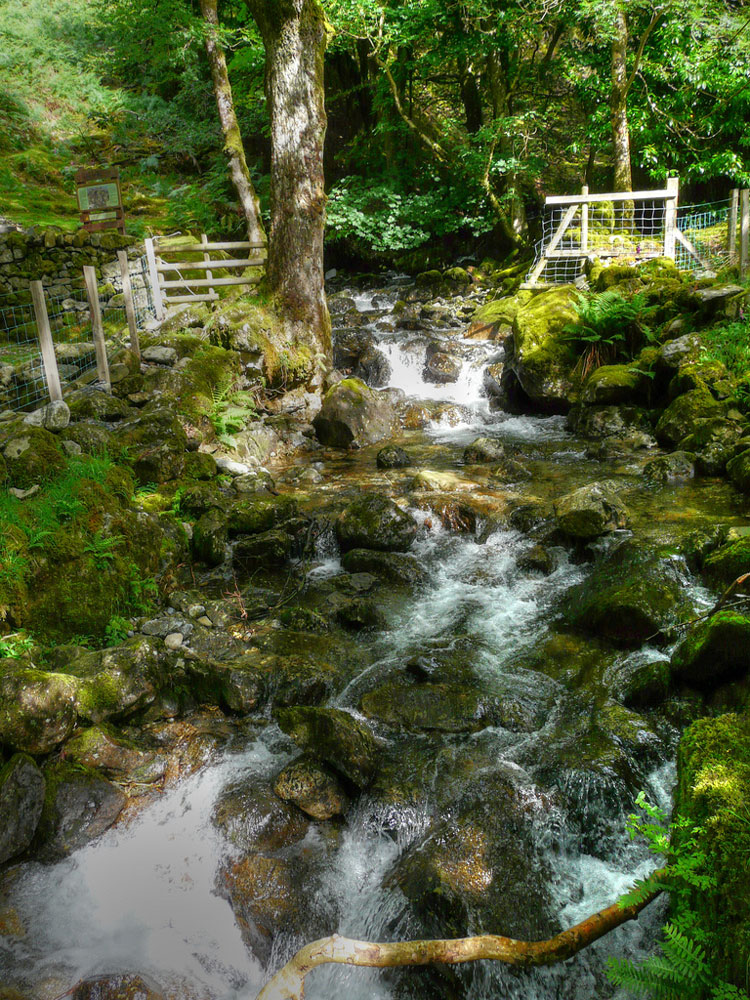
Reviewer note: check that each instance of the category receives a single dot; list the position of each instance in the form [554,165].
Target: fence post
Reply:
[670,216]
[207,258]
[585,220]
[744,230]
[154,276]
[49,359]
[127,294]
[734,198]
[102,367]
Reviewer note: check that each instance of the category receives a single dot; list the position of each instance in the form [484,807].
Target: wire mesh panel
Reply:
[635,231]
[22,381]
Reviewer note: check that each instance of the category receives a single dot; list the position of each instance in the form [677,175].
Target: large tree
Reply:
[295,34]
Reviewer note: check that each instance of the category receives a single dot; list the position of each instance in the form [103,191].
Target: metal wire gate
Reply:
[637,226]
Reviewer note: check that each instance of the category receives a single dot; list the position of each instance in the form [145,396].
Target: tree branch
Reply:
[289,982]
[639,52]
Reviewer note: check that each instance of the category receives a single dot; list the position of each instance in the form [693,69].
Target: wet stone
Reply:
[313,787]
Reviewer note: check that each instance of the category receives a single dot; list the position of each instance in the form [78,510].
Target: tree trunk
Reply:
[623,180]
[233,148]
[289,982]
[295,34]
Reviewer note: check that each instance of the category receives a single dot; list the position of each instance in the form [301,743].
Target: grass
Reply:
[729,343]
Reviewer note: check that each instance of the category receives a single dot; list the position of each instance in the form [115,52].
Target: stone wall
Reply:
[57,258]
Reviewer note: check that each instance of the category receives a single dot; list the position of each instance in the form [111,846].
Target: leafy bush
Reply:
[682,970]
[383,218]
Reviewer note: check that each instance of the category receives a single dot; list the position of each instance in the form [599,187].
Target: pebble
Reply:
[160,355]
[174,640]
[205,620]
[196,610]
[232,467]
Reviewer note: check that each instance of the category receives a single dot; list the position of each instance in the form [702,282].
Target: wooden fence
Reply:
[167,266]
[642,225]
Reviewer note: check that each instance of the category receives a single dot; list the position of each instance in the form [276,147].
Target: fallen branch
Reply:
[289,982]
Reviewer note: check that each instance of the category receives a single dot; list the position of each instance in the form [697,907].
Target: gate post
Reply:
[670,216]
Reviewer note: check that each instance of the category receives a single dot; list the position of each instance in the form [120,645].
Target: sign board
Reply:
[100,200]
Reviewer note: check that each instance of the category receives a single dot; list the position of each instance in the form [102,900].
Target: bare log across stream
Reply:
[289,982]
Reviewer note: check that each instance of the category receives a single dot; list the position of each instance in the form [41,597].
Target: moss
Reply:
[714,651]
[728,562]
[713,792]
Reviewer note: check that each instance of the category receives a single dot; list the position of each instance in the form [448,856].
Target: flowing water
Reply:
[144,897]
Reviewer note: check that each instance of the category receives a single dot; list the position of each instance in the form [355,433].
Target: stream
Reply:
[530,801]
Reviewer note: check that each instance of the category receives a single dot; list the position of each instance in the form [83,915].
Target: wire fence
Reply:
[632,231]
[23,385]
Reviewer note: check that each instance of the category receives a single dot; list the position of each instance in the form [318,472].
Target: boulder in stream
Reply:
[375,522]
[353,415]
[313,787]
[335,737]
[591,511]
[37,709]
[713,651]
[683,416]
[484,449]
[79,805]
[21,800]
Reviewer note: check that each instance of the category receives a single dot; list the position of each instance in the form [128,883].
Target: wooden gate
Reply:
[167,267]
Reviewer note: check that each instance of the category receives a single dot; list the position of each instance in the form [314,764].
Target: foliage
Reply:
[682,970]
[729,343]
[14,645]
[116,631]
[609,325]
[231,410]
[383,217]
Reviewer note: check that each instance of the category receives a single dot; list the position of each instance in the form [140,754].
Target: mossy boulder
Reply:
[682,417]
[37,709]
[393,457]
[92,404]
[21,801]
[252,818]
[599,422]
[494,320]
[669,468]
[713,651]
[79,805]
[375,522]
[451,708]
[313,787]
[615,384]
[713,793]
[541,357]
[395,567]
[32,455]
[631,596]
[118,682]
[255,513]
[101,748]
[481,870]
[210,538]
[728,562]
[484,449]
[353,415]
[155,445]
[267,550]
[591,511]
[335,737]
[713,441]
[641,680]
[738,470]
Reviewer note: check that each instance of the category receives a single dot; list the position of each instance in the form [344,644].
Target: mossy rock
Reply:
[542,358]
[253,514]
[37,708]
[616,384]
[682,416]
[713,793]
[32,455]
[210,538]
[268,550]
[496,317]
[451,708]
[728,562]
[632,596]
[94,405]
[670,468]
[21,801]
[79,805]
[713,651]
[738,470]
[395,567]
[313,787]
[614,275]
[200,465]
[353,415]
[155,445]
[713,441]
[375,522]
[102,748]
[591,511]
[335,737]
[121,681]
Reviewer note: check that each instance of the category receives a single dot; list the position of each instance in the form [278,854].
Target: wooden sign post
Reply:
[97,327]
[100,200]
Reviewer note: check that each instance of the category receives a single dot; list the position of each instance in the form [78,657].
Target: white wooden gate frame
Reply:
[162,289]
[672,234]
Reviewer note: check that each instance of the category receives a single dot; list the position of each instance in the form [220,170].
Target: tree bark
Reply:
[289,982]
[623,178]
[233,148]
[295,35]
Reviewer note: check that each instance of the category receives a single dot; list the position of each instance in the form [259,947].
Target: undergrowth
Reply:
[609,327]
[682,969]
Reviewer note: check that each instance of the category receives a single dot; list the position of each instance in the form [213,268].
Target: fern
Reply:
[682,971]
[231,410]
[608,325]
